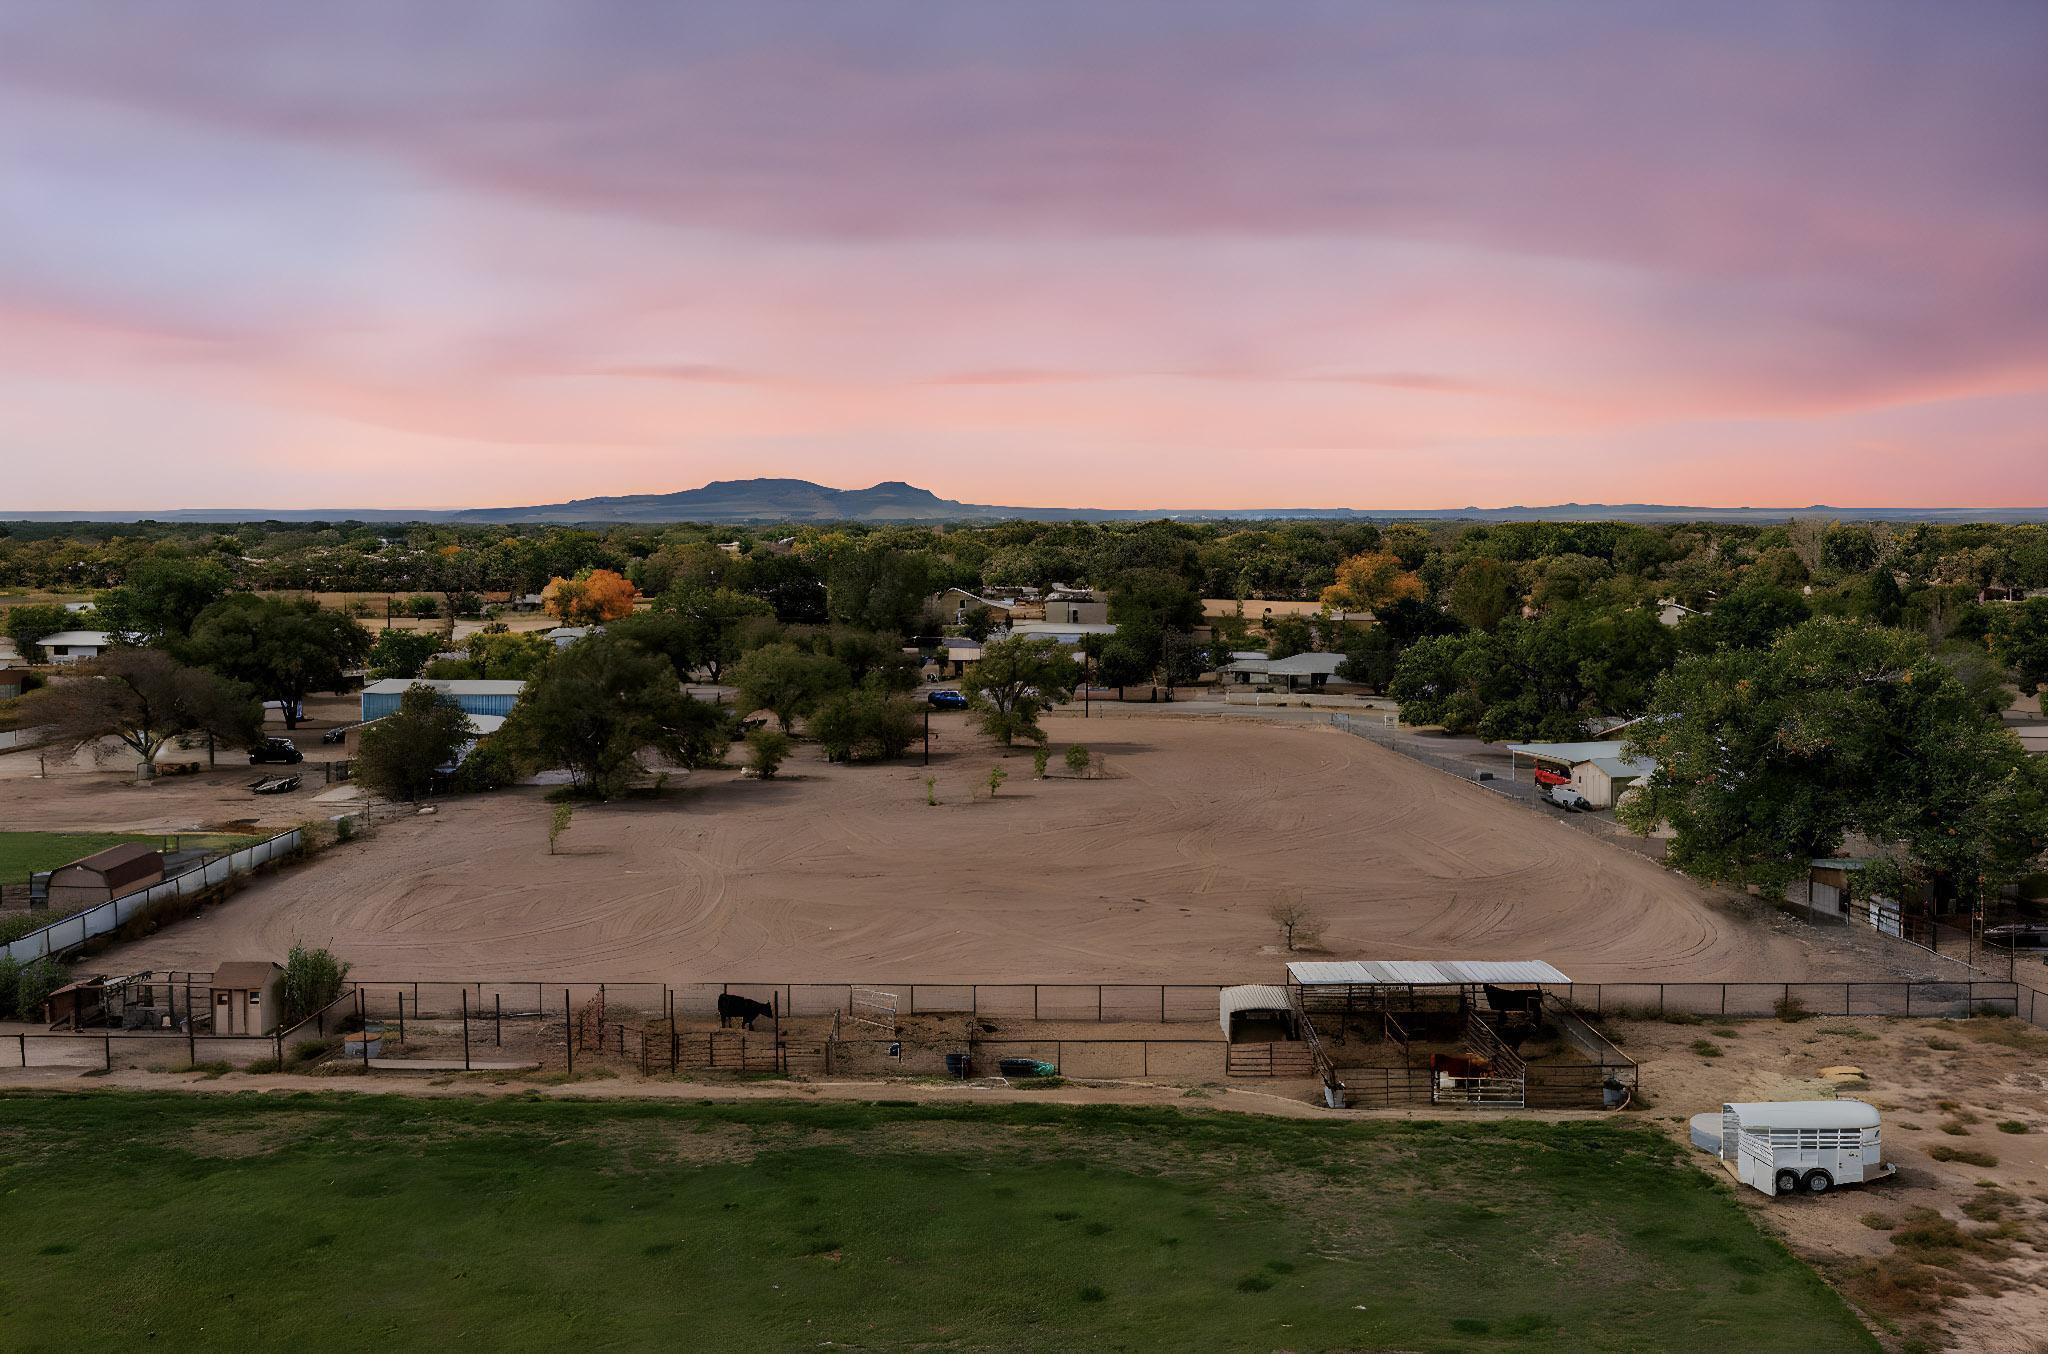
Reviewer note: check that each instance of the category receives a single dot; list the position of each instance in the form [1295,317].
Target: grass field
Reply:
[348,1223]
[24,853]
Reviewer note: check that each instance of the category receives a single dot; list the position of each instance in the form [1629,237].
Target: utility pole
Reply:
[927,732]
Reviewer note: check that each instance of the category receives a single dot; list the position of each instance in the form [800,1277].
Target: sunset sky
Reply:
[1123,255]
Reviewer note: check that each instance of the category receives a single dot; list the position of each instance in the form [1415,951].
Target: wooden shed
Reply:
[104,875]
[248,997]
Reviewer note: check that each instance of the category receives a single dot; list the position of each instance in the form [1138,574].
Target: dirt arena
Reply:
[1164,869]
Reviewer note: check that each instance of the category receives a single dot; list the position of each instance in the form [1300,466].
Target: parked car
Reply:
[337,734]
[276,750]
[1567,798]
[947,699]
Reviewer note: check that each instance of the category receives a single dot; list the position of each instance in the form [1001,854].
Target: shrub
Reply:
[1706,1048]
[37,980]
[558,823]
[489,766]
[766,750]
[996,777]
[10,983]
[865,725]
[1039,757]
[1791,1010]
[2011,1126]
[1967,1156]
[1077,760]
[312,979]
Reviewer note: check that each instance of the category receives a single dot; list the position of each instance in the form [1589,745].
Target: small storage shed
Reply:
[1255,1013]
[1785,1146]
[105,875]
[248,997]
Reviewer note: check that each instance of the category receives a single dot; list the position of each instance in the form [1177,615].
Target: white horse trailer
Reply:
[1783,1147]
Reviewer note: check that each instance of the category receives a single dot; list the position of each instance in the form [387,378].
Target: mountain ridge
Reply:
[770,499]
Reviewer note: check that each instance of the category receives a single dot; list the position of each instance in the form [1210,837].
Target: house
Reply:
[104,876]
[473,696]
[75,646]
[1262,611]
[954,605]
[562,636]
[1302,671]
[1076,606]
[959,651]
[1598,769]
[248,997]
[1064,632]
[1671,613]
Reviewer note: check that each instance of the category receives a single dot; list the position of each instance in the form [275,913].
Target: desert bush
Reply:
[766,751]
[312,979]
[1706,1048]
[1791,1010]
[34,984]
[1039,757]
[1077,760]
[1968,1156]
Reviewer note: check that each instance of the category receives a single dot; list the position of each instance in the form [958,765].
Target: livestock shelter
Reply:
[248,997]
[473,696]
[1256,1012]
[1456,1031]
[104,876]
[1302,671]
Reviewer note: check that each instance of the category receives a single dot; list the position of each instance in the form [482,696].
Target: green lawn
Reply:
[316,1223]
[24,853]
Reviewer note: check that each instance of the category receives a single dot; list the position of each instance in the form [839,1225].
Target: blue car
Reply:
[947,700]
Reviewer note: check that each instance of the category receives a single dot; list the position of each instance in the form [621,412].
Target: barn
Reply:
[1599,769]
[104,875]
[473,696]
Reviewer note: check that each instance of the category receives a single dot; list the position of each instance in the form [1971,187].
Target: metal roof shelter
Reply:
[1422,972]
[1263,998]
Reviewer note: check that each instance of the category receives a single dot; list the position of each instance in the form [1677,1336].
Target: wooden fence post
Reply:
[568,1032]
[401,1015]
[465,1029]
[498,1018]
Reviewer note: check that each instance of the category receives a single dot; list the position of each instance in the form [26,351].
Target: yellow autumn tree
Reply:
[1371,581]
[590,598]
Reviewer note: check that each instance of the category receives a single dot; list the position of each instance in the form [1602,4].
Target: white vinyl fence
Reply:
[75,930]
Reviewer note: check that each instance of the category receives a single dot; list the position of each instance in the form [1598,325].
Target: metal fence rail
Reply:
[73,931]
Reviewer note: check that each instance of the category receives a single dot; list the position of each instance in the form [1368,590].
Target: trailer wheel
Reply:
[1819,1182]
[1788,1182]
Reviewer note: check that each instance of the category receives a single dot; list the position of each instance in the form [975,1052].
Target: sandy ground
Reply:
[1939,1085]
[1162,870]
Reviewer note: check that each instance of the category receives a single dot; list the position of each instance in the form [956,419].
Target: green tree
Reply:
[142,698]
[787,681]
[1768,758]
[724,624]
[877,587]
[161,597]
[27,625]
[285,649]
[402,653]
[1484,593]
[401,753]
[599,706]
[1013,681]
[1077,760]
[2018,637]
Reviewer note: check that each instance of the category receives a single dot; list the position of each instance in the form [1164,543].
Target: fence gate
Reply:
[872,1008]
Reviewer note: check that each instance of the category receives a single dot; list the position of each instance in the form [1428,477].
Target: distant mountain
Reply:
[800,501]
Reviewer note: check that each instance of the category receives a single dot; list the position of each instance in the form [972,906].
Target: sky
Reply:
[1178,254]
